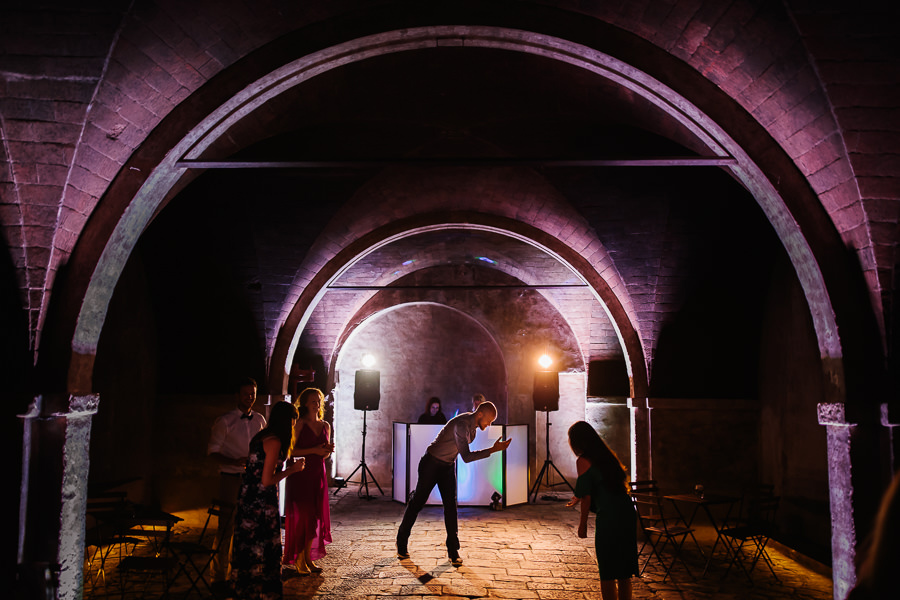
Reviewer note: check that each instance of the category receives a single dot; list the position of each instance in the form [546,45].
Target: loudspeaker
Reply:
[546,390]
[368,390]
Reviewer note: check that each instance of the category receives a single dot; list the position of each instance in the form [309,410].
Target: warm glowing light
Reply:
[545,361]
[368,360]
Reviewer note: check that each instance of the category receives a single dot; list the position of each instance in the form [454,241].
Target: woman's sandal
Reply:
[313,568]
[305,570]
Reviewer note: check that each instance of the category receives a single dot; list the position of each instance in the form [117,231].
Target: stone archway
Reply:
[174,166]
[167,177]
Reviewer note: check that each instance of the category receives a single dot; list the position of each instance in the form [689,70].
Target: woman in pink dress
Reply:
[307,526]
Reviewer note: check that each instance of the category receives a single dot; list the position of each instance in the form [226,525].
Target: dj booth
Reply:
[503,472]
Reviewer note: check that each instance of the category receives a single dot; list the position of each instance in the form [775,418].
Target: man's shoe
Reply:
[402,552]
[453,551]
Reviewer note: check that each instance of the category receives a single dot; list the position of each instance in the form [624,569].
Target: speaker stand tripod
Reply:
[365,472]
[545,471]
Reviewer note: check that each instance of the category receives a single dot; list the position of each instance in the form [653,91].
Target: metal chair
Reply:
[106,540]
[644,486]
[648,487]
[747,505]
[660,532]
[753,535]
[195,557]
[147,569]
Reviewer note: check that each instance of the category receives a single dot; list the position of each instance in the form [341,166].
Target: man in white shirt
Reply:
[438,467]
[229,445]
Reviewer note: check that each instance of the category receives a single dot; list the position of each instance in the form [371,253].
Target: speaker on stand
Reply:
[545,396]
[366,396]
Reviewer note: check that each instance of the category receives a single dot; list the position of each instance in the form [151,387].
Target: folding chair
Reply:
[195,558]
[753,536]
[749,495]
[137,572]
[147,569]
[660,532]
[105,536]
[647,487]
[644,486]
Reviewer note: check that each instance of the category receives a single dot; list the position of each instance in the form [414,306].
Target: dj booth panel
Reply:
[503,472]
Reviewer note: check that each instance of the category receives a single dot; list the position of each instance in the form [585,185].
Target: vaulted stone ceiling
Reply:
[320,154]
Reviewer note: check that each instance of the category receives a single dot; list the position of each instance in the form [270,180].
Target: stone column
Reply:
[843,524]
[890,420]
[641,463]
[56,456]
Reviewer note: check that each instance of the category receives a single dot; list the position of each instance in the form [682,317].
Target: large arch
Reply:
[167,174]
[803,227]
[312,293]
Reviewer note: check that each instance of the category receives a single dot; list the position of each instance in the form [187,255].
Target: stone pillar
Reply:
[55,463]
[641,463]
[890,420]
[843,524]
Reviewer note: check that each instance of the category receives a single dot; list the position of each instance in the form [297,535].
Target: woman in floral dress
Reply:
[256,554]
[307,526]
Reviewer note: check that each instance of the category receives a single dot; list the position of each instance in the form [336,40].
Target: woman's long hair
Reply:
[586,442]
[303,399]
[433,400]
[281,426]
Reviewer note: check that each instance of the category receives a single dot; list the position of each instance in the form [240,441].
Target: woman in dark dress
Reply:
[602,488]
[256,554]
[307,526]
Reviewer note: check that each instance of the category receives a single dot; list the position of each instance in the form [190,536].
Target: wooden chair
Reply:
[660,532]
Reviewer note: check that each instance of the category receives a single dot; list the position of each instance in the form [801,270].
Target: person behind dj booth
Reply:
[433,414]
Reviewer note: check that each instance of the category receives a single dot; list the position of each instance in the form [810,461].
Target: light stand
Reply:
[366,473]
[545,470]
[366,396]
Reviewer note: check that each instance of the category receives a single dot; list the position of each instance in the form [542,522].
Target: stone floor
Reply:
[525,551]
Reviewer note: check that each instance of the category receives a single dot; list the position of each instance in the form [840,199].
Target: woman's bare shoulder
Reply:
[582,465]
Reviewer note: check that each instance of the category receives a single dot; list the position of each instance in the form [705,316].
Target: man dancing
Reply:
[438,467]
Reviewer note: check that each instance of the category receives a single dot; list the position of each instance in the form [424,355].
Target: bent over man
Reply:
[438,467]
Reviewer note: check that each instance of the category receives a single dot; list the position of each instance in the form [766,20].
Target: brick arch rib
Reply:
[349,330]
[289,334]
[167,174]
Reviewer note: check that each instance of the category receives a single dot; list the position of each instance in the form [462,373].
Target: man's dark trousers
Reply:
[433,472]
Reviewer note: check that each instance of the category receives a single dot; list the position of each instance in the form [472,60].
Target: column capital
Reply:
[833,414]
[62,405]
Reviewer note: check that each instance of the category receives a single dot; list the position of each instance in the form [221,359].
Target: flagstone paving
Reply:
[528,551]
[524,551]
